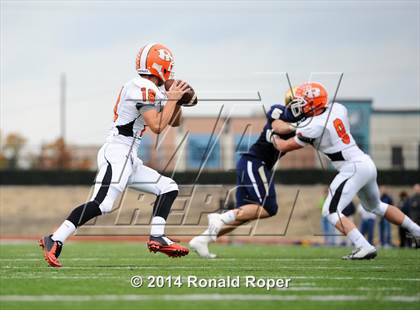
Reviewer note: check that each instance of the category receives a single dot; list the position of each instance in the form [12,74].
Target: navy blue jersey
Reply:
[264,150]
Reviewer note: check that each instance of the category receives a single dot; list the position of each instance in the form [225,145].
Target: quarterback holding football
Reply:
[151,100]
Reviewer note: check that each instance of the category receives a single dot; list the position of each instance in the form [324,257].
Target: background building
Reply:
[395,138]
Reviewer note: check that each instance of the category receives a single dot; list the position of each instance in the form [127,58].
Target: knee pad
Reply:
[380,209]
[106,205]
[273,212]
[333,218]
[272,209]
[108,202]
[166,185]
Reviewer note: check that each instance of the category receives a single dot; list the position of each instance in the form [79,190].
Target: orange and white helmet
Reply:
[309,99]
[155,59]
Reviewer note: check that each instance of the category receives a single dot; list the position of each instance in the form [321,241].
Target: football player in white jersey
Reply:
[327,129]
[142,102]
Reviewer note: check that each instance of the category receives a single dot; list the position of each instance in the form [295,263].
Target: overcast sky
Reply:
[231,49]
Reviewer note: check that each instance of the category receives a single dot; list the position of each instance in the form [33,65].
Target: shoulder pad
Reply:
[142,82]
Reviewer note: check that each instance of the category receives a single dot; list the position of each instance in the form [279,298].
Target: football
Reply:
[189,99]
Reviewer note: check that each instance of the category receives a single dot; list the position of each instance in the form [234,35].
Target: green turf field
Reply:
[97,275]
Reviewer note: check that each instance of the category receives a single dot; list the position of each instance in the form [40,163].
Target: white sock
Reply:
[357,238]
[158,226]
[64,231]
[206,236]
[412,227]
[228,217]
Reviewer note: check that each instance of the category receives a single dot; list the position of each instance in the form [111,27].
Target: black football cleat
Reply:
[52,250]
[166,246]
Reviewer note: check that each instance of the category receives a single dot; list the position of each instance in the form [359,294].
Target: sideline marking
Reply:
[204,297]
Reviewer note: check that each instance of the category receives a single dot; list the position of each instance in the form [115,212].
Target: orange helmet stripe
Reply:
[144,54]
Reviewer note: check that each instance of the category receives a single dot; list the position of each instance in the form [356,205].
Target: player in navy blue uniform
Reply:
[255,192]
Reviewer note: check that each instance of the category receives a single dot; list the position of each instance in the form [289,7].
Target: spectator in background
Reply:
[404,206]
[384,225]
[367,223]
[415,208]
[415,204]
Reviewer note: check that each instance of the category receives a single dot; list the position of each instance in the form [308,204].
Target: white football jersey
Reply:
[329,132]
[136,97]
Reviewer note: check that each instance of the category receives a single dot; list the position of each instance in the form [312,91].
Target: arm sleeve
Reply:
[307,134]
[280,112]
[285,136]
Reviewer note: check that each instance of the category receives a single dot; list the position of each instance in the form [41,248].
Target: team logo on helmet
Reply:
[165,55]
[312,92]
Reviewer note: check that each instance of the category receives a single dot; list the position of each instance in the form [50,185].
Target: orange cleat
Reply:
[166,246]
[52,250]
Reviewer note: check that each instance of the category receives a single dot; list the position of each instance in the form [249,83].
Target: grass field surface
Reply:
[98,276]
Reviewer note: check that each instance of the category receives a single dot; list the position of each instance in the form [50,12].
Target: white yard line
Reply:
[105,267]
[65,277]
[309,260]
[70,259]
[204,297]
[241,267]
[192,258]
[356,278]
[304,284]
[347,289]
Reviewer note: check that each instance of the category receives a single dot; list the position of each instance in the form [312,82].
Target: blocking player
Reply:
[328,130]
[255,192]
[142,102]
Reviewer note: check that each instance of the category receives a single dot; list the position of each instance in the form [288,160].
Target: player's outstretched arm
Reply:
[285,145]
[157,121]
